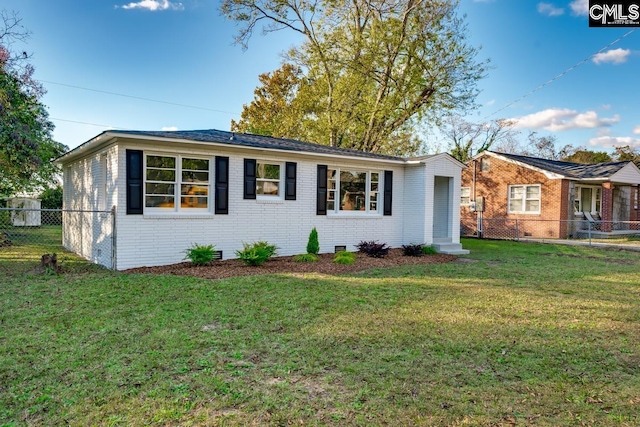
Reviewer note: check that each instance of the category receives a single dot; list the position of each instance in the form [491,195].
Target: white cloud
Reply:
[169,128]
[606,106]
[549,9]
[490,102]
[580,7]
[636,130]
[153,5]
[556,120]
[614,141]
[615,56]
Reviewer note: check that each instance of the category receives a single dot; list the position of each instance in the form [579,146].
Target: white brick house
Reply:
[173,189]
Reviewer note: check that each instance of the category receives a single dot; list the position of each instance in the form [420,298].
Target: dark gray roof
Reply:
[254,141]
[568,169]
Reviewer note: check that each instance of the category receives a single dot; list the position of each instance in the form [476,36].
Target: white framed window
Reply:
[353,190]
[268,179]
[465,196]
[524,199]
[587,199]
[176,183]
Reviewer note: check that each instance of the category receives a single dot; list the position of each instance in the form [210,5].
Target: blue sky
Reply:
[182,52]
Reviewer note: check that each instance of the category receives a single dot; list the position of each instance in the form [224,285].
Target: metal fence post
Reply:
[113,238]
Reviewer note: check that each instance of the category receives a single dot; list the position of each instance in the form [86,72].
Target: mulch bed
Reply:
[286,264]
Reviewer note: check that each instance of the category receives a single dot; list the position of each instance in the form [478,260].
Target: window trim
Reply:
[177,193]
[525,199]
[281,181]
[594,199]
[468,196]
[336,211]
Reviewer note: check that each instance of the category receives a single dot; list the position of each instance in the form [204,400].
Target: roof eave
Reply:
[105,137]
[548,174]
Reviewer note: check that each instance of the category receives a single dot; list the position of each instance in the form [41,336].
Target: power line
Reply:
[139,97]
[548,82]
[86,123]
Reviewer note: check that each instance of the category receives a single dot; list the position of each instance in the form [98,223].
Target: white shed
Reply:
[26,212]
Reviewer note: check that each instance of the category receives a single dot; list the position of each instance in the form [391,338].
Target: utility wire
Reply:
[139,97]
[86,123]
[548,82]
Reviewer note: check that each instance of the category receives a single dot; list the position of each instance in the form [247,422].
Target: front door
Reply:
[587,200]
[442,200]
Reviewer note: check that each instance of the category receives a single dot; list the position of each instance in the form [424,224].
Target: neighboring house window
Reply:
[176,183]
[268,179]
[587,199]
[485,164]
[524,199]
[465,196]
[353,190]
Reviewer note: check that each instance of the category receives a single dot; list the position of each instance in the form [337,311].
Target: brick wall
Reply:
[492,183]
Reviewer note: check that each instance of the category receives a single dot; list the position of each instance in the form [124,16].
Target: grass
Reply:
[522,334]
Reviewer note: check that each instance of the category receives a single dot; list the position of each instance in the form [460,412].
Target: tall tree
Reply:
[626,153]
[274,111]
[588,157]
[26,145]
[374,69]
[544,147]
[466,139]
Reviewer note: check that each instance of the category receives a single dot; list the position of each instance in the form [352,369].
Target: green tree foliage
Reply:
[26,145]
[588,157]
[371,71]
[626,153]
[274,110]
[51,198]
[313,245]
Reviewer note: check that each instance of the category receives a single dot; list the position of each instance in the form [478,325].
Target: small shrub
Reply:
[412,250]
[373,248]
[256,253]
[200,254]
[429,250]
[313,246]
[306,258]
[344,257]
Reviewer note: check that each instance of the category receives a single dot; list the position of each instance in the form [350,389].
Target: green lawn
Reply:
[524,334]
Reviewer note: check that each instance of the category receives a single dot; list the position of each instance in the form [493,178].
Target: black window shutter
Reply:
[249,178]
[222,186]
[388,191]
[290,181]
[321,203]
[135,181]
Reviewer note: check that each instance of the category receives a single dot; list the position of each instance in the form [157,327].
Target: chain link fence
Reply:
[518,229]
[89,234]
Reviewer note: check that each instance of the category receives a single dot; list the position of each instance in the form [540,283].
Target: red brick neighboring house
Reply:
[506,193]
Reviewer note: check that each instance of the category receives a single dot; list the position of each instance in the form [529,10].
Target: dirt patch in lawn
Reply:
[286,264]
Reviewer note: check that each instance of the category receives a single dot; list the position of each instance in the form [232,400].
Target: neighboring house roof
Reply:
[569,170]
[214,136]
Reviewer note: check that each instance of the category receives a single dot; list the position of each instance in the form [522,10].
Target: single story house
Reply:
[171,189]
[546,198]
